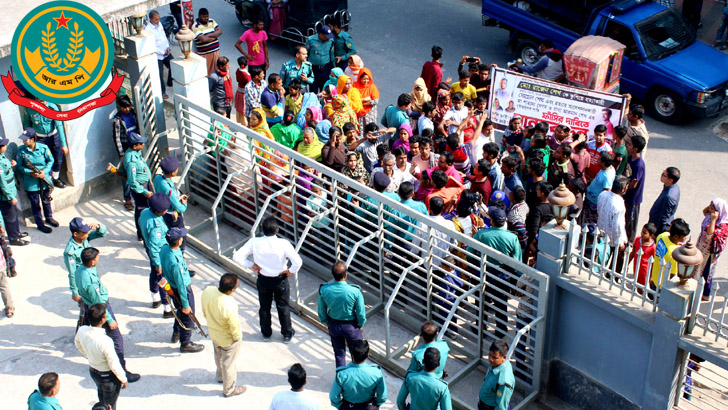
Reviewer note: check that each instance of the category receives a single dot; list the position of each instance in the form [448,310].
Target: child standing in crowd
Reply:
[646,242]
[243,77]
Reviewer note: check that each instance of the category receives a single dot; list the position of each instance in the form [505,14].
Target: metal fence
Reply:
[410,268]
[614,271]
[709,317]
[703,386]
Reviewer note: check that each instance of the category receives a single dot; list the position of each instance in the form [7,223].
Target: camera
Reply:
[471,59]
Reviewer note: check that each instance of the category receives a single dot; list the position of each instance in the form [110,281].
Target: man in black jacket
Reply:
[220,96]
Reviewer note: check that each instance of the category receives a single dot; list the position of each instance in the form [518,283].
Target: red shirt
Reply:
[243,77]
[432,74]
[647,252]
[594,154]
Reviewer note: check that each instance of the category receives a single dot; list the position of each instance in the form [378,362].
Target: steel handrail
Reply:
[218,198]
[261,214]
[356,246]
[453,309]
[390,302]
[189,164]
[151,143]
[297,294]
[520,334]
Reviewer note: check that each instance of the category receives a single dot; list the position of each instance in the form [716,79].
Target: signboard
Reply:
[535,100]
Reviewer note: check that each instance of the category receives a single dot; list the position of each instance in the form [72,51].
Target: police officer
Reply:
[81,234]
[426,390]
[343,46]
[9,198]
[178,203]
[358,386]
[341,308]
[50,133]
[497,388]
[138,176]
[39,195]
[428,334]
[321,56]
[154,231]
[92,291]
[175,271]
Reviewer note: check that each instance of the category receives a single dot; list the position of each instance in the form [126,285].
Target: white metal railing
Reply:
[594,259]
[703,385]
[710,316]
[391,250]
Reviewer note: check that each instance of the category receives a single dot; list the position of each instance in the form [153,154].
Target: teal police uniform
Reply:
[8,192]
[175,271]
[358,384]
[92,291]
[37,401]
[344,48]
[419,354]
[138,177]
[72,256]
[426,391]
[154,231]
[49,132]
[175,214]
[39,197]
[497,388]
[341,308]
[321,57]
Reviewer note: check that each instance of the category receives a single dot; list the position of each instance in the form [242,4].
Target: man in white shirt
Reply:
[270,261]
[296,398]
[456,114]
[161,43]
[105,367]
[610,217]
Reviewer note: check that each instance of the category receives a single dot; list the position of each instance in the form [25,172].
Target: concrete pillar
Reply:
[142,56]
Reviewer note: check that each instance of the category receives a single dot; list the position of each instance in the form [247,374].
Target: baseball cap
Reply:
[28,133]
[159,202]
[135,138]
[77,224]
[173,234]
[326,30]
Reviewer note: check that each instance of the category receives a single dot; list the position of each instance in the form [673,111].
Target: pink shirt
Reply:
[255,45]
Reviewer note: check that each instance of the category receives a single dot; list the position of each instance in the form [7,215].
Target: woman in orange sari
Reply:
[342,111]
[345,86]
[369,98]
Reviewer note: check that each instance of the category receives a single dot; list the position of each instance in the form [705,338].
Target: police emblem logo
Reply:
[62,52]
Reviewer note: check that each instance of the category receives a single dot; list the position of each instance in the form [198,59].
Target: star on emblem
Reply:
[62,21]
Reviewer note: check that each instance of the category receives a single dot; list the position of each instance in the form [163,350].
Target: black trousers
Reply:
[54,144]
[140,202]
[115,334]
[358,406]
[185,336]
[108,386]
[10,216]
[165,62]
[320,76]
[36,203]
[269,289]
[224,110]
[179,223]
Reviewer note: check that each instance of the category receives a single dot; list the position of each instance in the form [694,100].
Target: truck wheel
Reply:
[527,50]
[665,106]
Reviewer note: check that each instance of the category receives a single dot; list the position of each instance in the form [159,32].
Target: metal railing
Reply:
[403,260]
[594,259]
[710,316]
[702,385]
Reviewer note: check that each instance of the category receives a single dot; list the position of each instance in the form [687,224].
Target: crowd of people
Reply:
[434,150]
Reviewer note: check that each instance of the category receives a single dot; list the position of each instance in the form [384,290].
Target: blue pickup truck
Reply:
[664,65]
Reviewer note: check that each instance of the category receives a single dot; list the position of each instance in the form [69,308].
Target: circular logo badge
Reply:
[62,52]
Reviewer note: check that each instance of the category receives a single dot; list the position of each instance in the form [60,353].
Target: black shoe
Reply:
[287,339]
[132,377]
[58,183]
[156,304]
[45,229]
[12,273]
[19,242]
[192,273]
[175,337]
[22,234]
[52,222]
[168,314]
[191,348]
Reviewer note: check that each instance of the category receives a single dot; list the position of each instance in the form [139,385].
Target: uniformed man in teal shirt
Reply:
[402,222]
[428,336]
[92,291]
[499,282]
[138,176]
[321,56]
[358,386]
[81,234]
[343,46]
[9,198]
[44,398]
[497,388]
[39,195]
[51,134]
[154,232]
[426,390]
[178,202]
[341,308]
[175,271]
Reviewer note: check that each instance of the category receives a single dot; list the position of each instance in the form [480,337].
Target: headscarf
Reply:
[342,111]
[353,94]
[400,142]
[287,132]
[440,108]
[328,110]
[334,77]
[721,206]
[322,130]
[358,172]
[316,113]
[262,127]
[370,90]
[312,150]
[309,100]
[352,70]
[419,97]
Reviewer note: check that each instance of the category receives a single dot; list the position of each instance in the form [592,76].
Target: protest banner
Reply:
[535,100]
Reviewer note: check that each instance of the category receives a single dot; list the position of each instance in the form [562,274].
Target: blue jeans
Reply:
[720,36]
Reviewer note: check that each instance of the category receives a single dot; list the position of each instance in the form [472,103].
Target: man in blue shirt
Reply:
[428,337]
[44,398]
[358,386]
[665,206]
[178,203]
[395,116]
[271,100]
[635,171]
[343,46]
[321,55]
[499,382]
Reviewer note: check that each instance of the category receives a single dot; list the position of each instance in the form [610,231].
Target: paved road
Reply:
[394,39]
